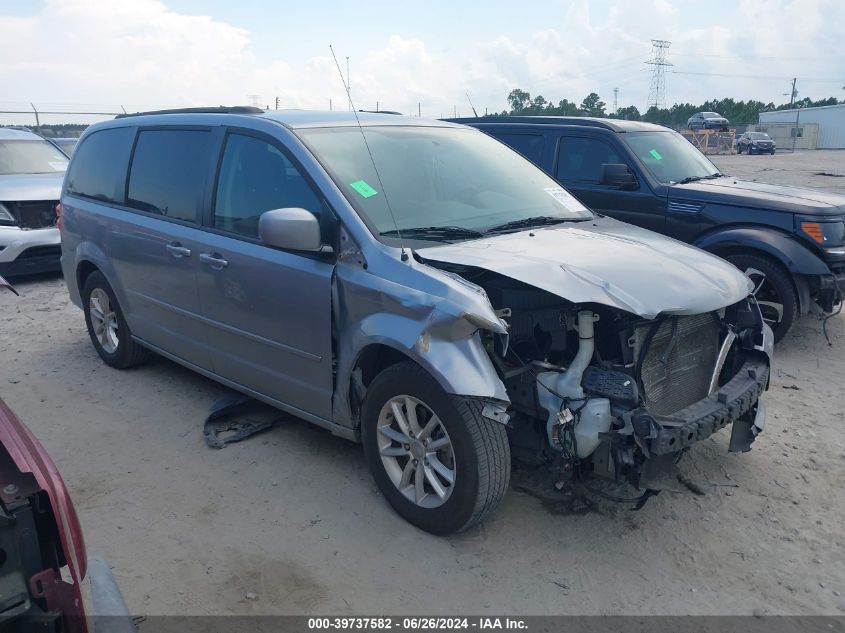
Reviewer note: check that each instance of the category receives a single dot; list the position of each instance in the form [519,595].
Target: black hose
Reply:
[830,316]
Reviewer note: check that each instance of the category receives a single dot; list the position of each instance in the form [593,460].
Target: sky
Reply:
[433,57]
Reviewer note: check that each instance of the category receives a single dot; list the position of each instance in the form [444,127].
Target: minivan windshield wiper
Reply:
[696,178]
[527,223]
[433,232]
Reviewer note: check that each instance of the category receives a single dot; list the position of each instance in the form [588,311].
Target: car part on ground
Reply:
[457,308]
[31,172]
[673,189]
[236,417]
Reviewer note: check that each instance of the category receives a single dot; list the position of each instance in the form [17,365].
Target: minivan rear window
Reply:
[168,172]
[98,169]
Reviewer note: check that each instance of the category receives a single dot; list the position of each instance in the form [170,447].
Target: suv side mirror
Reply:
[618,175]
[293,229]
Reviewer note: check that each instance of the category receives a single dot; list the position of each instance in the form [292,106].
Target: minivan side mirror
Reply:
[618,175]
[292,228]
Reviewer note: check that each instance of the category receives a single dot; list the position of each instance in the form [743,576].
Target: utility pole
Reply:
[277,103]
[657,89]
[615,100]
[419,109]
[330,105]
[796,128]
[37,122]
[253,99]
[794,92]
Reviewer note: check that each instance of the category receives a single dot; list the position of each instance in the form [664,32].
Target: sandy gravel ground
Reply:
[293,519]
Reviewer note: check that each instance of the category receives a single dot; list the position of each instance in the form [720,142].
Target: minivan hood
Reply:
[25,187]
[607,262]
[759,195]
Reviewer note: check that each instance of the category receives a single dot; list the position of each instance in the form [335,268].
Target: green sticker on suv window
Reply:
[656,154]
[363,188]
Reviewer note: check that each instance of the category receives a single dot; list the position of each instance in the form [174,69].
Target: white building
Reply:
[829,119]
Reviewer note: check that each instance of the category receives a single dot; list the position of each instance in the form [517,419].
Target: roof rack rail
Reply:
[211,110]
[381,112]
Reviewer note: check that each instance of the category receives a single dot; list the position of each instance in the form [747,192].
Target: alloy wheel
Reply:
[416,451]
[103,320]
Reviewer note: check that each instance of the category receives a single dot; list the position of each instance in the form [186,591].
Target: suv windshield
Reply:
[456,179]
[669,156]
[30,157]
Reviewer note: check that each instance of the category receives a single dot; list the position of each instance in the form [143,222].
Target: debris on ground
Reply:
[236,417]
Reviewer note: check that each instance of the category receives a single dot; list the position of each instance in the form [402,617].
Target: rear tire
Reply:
[107,327]
[773,289]
[473,451]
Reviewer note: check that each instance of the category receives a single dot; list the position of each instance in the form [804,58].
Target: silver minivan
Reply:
[413,285]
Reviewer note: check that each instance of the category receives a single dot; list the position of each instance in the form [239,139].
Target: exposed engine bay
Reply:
[597,390]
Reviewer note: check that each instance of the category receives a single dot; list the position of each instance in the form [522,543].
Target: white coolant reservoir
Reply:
[592,415]
[593,419]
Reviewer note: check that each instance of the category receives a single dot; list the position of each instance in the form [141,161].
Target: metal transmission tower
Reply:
[657,91]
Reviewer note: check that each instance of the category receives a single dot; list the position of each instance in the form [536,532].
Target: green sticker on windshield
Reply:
[363,188]
[656,154]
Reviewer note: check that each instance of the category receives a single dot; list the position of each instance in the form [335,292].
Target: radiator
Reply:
[678,362]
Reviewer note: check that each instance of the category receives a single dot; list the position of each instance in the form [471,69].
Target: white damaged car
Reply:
[31,174]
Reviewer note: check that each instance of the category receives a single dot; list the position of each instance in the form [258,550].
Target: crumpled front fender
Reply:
[440,333]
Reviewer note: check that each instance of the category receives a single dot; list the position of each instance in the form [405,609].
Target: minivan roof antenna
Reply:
[372,160]
[474,113]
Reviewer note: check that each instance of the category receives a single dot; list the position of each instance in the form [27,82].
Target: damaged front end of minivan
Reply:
[615,370]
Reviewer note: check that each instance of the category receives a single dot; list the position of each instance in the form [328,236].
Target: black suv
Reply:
[789,240]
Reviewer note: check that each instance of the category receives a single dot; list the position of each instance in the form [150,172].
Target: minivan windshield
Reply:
[457,183]
[670,157]
[30,157]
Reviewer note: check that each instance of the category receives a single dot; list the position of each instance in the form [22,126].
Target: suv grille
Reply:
[34,215]
[677,364]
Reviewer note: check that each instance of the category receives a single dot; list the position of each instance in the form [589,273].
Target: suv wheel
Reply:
[107,327]
[773,289]
[440,464]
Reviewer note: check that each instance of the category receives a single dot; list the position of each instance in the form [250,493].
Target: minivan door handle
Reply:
[215,260]
[178,251]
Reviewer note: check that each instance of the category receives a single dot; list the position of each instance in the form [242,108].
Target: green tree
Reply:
[629,113]
[592,105]
[518,100]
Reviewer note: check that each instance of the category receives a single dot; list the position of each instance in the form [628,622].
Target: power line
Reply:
[768,77]
[658,62]
[738,56]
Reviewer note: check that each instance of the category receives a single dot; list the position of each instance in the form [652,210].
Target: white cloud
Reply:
[141,54]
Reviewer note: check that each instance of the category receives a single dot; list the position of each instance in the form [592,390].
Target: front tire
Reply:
[440,464]
[107,327]
[773,289]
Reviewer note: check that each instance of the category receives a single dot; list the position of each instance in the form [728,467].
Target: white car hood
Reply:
[607,262]
[27,187]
